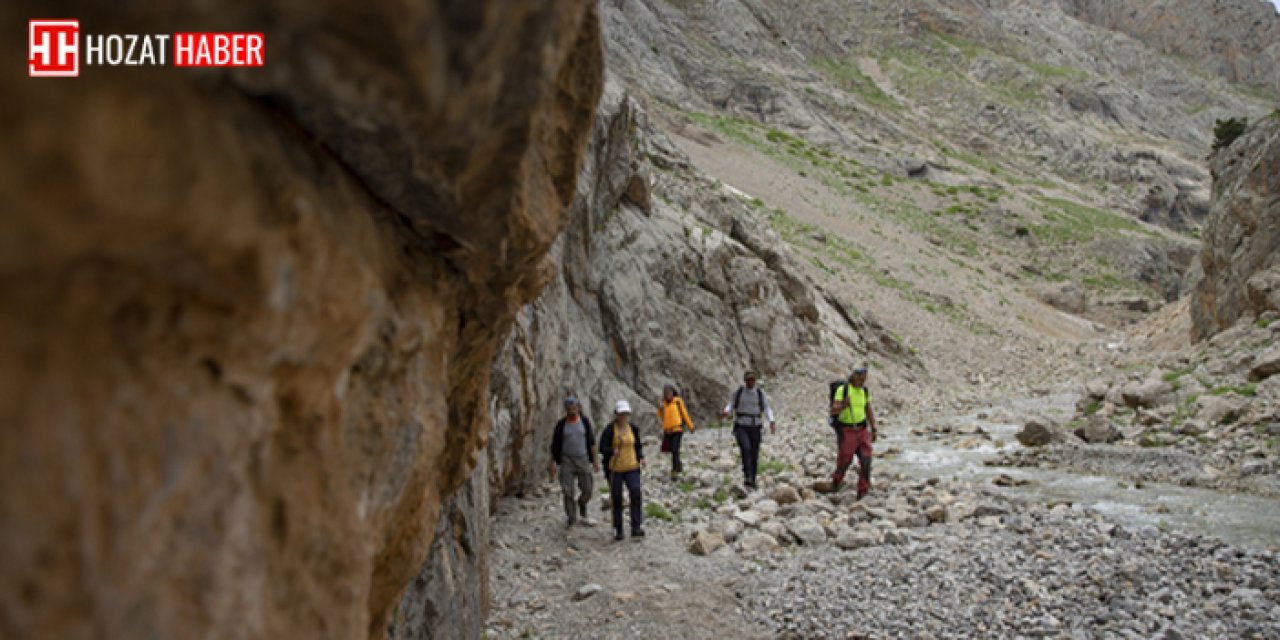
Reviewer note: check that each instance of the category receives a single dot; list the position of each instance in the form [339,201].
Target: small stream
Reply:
[1241,519]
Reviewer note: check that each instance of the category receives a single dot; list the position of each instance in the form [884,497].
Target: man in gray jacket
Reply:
[749,407]
[573,451]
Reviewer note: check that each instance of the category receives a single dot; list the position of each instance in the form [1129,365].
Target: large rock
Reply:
[1038,432]
[757,543]
[807,530]
[1099,430]
[1266,364]
[1066,296]
[1241,238]
[705,543]
[249,317]
[1264,290]
[1219,409]
[1146,393]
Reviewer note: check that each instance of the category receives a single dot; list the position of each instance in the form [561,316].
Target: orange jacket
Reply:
[672,415]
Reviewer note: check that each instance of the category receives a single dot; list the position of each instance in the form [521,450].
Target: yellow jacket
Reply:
[672,415]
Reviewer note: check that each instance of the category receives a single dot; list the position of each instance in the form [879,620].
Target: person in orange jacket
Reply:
[675,419]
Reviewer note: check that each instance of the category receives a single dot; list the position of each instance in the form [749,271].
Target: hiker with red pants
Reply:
[855,430]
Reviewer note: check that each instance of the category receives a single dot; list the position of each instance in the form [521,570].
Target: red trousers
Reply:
[854,442]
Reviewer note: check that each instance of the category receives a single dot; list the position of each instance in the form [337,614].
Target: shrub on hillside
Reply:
[1226,131]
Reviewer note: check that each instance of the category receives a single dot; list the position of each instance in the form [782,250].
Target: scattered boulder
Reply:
[857,539]
[767,508]
[705,543]
[757,542]
[1038,432]
[1148,393]
[786,494]
[1006,480]
[1266,364]
[750,518]
[807,530]
[587,591]
[1065,296]
[1219,409]
[936,514]
[1099,430]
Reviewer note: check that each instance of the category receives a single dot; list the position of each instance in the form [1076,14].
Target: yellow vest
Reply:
[857,410]
[624,450]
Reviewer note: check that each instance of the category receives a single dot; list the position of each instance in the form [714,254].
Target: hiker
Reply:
[748,406]
[855,430]
[623,458]
[573,451]
[674,418]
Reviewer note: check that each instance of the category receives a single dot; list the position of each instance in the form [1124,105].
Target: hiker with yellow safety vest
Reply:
[855,424]
[674,418]
[623,458]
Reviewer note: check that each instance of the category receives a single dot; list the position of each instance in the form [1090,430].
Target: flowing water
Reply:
[1237,518]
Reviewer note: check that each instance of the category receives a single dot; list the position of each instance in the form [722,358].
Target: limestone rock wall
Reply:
[1240,254]
[661,275]
[248,318]
[1237,39]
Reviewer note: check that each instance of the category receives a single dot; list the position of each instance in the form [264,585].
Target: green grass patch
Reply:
[656,511]
[1067,222]
[1093,407]
[1249,390]
[849,77]
[1052,72]
[1262,323]
[774,466]
[686,486]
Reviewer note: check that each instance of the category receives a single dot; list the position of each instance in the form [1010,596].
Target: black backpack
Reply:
[831,399]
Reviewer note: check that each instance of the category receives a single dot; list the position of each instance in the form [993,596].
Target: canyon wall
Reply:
[1239,266]
[249,316]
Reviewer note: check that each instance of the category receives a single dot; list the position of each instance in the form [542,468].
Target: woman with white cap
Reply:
[623,458]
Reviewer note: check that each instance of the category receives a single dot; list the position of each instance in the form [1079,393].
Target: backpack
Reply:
[737,396]
[831,399]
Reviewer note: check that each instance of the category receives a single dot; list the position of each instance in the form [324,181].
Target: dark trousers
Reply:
[673,445]
[854,442]
[749,446]
[632,481]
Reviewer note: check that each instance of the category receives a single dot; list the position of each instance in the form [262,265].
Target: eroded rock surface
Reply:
[249,317]
[1240,254]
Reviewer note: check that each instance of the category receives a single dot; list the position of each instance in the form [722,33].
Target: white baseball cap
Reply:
[622,407]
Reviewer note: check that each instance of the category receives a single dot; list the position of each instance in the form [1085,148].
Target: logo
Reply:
[53,48]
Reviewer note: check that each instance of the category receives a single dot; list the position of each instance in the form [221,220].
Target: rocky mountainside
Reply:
[1239,267]
[1239,41]
[280,343]
[248,318]
[673,279]
[1045,143]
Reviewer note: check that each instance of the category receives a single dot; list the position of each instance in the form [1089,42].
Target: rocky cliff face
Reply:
[1236,39]
[663,275]
[1240,257]
[249,318]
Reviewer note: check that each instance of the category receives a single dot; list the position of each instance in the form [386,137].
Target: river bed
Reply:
[1241,519]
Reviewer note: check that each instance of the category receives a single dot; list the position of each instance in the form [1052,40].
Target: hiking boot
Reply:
[637,533]
[617,535]
[824,486]
[586,522]
[570,523]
